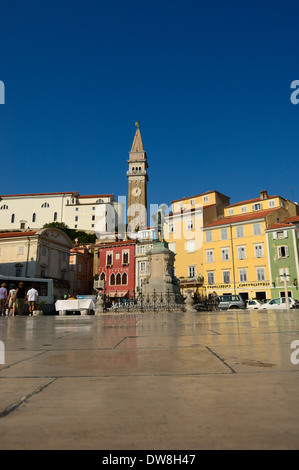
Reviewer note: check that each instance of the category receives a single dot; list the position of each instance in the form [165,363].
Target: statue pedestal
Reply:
[161,280]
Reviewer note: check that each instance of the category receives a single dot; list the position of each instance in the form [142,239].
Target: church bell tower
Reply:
[137,184]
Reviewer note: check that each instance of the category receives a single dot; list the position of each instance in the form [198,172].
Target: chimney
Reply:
[264,194]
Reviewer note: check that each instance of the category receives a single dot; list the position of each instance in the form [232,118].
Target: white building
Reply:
[37,254]
[94,213]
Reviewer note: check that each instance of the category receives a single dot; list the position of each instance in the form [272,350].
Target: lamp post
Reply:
[284,276]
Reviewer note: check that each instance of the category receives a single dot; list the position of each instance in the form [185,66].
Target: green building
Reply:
[283,249]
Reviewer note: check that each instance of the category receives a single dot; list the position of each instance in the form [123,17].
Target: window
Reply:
[191,271]
[211,277]
[142,266]
[12,218]
[257,206]
[240,231]
[55,216]
[190,246]
[241,252]
[125,257]
[271,203]
[282,234]
[19,271]
[258,251]
[33,217]
[257,229]
[282,273]
[226,276]
[93,217]
[109,259]
[112,280]
[102,277]
[209,256]
[244,209]
[223,234]
[20,250]
[242,275]
[45,204]
[44,251]
[171,228]
[118,279]
[76,218]
[206,199]
[4,206]
[260,274]
[283,251]
[192,202]
[190,224]
[225,254]
[209,236]
[230,211]
[124,279]
[80,268]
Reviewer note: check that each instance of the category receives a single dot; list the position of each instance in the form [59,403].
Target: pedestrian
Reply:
[20,297]
[3,298]
[11,300]
[215,301]
[32,298]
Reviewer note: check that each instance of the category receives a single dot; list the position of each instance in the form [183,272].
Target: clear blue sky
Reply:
[209,82]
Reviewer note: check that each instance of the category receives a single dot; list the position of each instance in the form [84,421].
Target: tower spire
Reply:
[137,145]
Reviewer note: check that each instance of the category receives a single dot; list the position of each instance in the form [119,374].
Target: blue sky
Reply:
[209,82]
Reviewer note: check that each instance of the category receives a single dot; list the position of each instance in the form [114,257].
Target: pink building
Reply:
[117,268]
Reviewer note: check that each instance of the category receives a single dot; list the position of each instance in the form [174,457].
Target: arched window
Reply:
[124,279]
[55,216]
[45,204]
[33,217]
[118,279]
[112,280]
[4,206]
[12,218]
[102,278]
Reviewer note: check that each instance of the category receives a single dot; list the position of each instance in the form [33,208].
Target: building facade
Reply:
[235,249]
[43,254]
[94,213]
[81,270]
[283,246]
[183,230]
[117,269]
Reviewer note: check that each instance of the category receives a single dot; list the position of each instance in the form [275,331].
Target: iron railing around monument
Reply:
[145,302]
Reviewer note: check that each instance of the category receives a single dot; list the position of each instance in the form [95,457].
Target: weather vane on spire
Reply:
[137,124]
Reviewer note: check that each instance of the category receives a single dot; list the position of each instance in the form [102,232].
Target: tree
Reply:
[83,237]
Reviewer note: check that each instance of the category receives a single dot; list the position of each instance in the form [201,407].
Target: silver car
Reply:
[227,302]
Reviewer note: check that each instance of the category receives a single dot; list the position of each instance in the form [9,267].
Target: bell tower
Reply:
[137,184]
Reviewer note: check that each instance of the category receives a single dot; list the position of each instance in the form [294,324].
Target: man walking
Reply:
[32,299]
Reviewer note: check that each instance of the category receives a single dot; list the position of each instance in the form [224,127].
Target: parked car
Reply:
[254,304]
[227,302]
[279,303]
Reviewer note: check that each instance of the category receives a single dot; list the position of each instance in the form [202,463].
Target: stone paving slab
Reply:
[140,382]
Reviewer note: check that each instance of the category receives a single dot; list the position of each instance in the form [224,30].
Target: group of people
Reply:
[14,300]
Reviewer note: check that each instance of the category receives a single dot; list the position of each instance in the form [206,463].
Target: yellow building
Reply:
[235,251]
[183,230]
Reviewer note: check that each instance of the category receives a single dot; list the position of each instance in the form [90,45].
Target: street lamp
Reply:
[284,276]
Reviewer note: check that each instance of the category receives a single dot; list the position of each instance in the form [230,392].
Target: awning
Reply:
[122,293]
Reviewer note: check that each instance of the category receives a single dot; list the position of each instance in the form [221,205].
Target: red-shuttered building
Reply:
[117,269]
